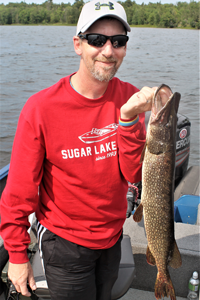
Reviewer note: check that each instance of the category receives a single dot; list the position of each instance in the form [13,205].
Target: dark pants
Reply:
[74,272]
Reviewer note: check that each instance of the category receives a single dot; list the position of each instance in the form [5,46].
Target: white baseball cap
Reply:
[94,10]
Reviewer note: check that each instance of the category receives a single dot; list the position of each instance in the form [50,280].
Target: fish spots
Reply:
[157,185]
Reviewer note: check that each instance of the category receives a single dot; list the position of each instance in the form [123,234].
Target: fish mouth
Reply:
[162,104]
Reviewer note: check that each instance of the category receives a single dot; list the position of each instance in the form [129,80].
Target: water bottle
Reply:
[193,287]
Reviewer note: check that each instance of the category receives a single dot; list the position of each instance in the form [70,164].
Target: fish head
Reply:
[163,119]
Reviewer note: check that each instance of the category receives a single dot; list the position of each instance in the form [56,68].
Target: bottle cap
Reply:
[195,275]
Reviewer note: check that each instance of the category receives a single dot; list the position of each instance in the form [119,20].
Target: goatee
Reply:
[105,74]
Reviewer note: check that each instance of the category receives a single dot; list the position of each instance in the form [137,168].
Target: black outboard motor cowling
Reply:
[182,147]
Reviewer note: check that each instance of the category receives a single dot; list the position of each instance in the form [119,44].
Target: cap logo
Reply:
[98,5]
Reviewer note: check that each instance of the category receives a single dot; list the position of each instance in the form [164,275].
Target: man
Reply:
[69,146]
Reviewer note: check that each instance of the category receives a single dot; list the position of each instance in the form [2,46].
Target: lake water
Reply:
[35,57]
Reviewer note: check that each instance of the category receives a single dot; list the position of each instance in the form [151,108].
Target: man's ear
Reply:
[77,45]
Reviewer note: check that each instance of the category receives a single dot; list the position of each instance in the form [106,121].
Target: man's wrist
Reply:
[128,122]
[127,116]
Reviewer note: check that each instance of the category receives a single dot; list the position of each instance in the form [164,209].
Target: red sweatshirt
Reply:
[70,163]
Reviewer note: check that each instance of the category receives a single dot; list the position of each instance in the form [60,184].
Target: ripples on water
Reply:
[35,57]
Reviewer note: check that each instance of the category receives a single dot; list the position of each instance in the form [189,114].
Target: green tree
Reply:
[135,17]
[5,16]
[78,4]
[24,16]
[151,18]
[155,14]
[35,16]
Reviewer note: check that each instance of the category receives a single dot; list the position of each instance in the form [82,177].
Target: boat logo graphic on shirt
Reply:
[97,135]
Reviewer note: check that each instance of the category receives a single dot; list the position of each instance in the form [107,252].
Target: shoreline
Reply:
[74,25]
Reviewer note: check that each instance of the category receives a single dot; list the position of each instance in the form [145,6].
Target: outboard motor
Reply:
[182,147]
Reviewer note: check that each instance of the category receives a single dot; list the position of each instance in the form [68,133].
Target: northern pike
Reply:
[157,200]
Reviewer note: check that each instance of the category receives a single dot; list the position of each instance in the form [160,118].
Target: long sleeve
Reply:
[66,146]
[131,143]
[20,197]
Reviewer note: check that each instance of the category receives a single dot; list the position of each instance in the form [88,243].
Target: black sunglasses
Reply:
[99,40]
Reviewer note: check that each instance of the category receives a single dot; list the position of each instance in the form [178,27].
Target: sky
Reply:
[72,1]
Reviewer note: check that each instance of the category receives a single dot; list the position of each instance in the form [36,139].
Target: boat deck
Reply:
[133,294]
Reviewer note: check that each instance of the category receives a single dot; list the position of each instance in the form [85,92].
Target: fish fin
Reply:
[175,261]
[150,258]
[164,287]
[143,153]
[137,217]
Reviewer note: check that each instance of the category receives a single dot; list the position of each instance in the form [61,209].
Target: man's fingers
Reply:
[20,274]
[138,103]
[145,97]
[16,287]
[24,290]
[32,283]
[148,93]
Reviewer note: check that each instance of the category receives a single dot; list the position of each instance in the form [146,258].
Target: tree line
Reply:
[183,14]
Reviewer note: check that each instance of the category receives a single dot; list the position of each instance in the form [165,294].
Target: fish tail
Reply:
[164,287]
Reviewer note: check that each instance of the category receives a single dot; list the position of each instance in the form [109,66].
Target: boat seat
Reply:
[121,286]
[190,184]
[126,270]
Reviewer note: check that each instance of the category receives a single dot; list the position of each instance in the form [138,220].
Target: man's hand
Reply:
[138,103]
[20,274]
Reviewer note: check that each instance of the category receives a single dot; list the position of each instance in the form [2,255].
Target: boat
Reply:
[98,135]
[186,187]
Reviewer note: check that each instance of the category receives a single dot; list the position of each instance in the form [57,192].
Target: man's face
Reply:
[103,63]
